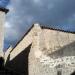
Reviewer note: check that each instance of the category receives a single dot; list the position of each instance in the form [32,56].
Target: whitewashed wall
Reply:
[2,21]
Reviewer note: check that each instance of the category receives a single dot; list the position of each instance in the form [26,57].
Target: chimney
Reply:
[3,11]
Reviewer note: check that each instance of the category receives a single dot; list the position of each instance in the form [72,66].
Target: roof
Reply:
[57,29]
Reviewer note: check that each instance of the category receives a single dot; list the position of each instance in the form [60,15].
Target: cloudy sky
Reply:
[23,13]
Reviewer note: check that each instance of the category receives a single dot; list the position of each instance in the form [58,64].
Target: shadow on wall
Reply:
[1,63]
[73,73]
[67,50]
[20,63]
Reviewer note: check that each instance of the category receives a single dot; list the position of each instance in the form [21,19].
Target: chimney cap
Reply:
[4,10]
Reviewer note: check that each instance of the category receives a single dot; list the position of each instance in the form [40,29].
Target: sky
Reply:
[23,13]
[4,3]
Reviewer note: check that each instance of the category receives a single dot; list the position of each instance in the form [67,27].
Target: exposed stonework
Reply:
[48,52]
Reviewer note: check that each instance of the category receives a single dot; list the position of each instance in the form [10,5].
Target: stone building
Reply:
[43,51]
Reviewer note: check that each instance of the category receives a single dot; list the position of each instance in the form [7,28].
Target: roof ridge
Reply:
[57,29]
[43,27]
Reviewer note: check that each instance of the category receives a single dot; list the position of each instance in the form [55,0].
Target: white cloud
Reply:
[11,33]
[7,25]
[37,1]
[23,13]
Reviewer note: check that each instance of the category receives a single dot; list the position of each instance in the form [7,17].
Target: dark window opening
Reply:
[59,73]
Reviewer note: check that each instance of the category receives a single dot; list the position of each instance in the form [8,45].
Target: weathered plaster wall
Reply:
[2,21]
[54,40]
[50,49]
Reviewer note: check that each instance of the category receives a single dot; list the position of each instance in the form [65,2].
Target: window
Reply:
[59,73]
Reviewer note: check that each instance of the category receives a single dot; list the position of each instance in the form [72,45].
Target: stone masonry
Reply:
[52,52]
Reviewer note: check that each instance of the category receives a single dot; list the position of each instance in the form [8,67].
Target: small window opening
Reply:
[59,73]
